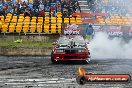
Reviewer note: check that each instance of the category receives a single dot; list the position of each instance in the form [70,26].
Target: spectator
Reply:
[41,7]
[36,5]
[89,32]
[47,9]
[53,6]
[48,3]
[54,13]
[30,5]
[58,8]
[1,5]
[2,12]
[27,13]
[58,3]
[34,13]
[41,13]
[15,13]
[65,14]
[51,1]
[9,9]
[62,4]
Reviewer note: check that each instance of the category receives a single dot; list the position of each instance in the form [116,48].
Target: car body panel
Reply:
[71,48]
[64,56]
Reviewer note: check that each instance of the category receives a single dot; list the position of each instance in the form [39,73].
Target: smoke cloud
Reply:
[101,47]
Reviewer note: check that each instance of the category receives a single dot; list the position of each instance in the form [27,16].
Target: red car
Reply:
[71,47]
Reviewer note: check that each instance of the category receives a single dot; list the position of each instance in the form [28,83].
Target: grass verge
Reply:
[26,44]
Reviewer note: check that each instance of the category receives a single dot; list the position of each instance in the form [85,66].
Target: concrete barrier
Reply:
[45,38]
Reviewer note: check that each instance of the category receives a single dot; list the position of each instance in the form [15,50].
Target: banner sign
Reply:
[72,29]
[90,14]
[96,27]
[118,33]
[89,78]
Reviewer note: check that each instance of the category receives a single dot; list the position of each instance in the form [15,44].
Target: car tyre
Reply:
[86,62]
[52,57]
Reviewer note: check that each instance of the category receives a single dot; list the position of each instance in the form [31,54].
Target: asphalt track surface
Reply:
[39,72]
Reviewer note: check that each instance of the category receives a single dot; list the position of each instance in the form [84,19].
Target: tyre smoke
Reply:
[101,47]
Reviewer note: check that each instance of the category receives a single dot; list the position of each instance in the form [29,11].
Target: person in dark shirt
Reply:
[27,13]
[47,9]
[36,5]
[89,32]
[41,13]
[2,12]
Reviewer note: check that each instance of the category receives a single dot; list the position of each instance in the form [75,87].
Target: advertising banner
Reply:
[71,29]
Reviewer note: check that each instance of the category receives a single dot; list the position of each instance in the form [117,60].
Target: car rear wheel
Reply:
[52,58]
[89,58]
[86,62]
[88,53]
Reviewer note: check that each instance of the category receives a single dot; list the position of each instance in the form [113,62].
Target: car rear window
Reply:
[79,40]
[63,40]
[66,40]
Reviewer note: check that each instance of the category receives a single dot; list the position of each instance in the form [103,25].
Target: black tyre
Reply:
[89,57]
[88,53]
[52,57]
[86,62]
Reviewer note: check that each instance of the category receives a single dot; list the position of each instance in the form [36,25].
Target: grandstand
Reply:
[46,16]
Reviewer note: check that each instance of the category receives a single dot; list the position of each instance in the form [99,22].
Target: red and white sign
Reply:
[71,29]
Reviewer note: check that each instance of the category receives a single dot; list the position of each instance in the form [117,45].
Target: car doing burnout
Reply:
[71,47]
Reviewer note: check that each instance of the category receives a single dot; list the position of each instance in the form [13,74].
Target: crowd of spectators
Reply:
[120,7]
[38,7]
[70,6]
